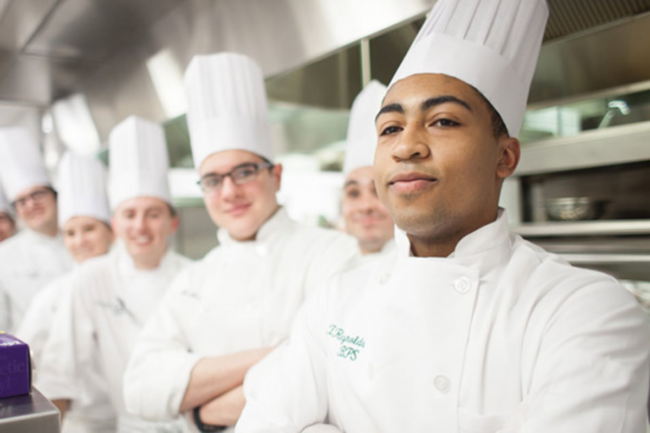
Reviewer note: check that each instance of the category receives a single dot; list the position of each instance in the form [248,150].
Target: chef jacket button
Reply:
[261,250]
[442,384]
[462,285]
[384,278]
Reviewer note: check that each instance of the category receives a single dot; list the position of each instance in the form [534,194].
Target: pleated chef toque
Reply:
[138,161]
[82,189]
[5,206]
[362,135]
[492,45]
[227,106]
[21,162]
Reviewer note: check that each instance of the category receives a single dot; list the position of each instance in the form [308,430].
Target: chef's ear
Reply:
[175,219]
[509,153]
[276,172]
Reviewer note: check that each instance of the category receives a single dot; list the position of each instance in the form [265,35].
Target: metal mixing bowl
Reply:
[575,208]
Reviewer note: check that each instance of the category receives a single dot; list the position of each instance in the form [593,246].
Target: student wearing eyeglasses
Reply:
[226,312]
[36,255]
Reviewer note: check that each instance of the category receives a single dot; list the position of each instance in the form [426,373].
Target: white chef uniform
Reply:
[242,295]
[500,336]
[29,259]
[82,192]
[111,299]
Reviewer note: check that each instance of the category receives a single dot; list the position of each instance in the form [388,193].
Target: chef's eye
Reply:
[445,123]
[211,182]
[390,130]
[352,193]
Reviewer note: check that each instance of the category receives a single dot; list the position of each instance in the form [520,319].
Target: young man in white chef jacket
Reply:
[467,328]
[36,255]
[84,219]
[365,217]
[226,312]
[114,296]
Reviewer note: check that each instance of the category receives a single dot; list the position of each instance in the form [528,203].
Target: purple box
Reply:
[15,367]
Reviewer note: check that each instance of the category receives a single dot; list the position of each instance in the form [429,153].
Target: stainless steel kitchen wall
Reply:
[279,34]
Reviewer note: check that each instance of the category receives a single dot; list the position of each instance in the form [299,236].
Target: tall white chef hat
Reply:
[492,45]
[362,135]
[138,161]
[21,162]
[5,206]
[227,107]
[82,188]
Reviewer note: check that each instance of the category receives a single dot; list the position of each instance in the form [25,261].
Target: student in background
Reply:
[226,312]
[364,215]
[36,255]
[113,296]
[84,219]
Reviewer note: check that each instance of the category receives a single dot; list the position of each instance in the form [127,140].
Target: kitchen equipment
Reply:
[575,208]
[29,413]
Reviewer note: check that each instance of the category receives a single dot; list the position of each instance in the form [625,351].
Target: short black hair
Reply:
[499,127]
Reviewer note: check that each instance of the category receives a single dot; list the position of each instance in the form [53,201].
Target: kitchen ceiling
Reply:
[49,49]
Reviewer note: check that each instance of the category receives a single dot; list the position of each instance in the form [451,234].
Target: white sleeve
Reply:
[38,319]
[70,347]
[5,310]
[591,373]
[160,365]
[287,390]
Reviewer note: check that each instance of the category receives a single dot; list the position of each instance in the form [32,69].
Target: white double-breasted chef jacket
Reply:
[93,411]
[28,262]
[242,295]
[499,337]
[109,304]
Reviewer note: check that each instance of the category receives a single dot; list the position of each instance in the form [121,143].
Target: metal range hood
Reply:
[309,49]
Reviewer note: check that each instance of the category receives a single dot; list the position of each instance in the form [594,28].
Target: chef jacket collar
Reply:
[43,239]
[127,267]
[272,229]
[486,238]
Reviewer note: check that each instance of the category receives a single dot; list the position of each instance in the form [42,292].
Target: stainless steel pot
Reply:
[575,208]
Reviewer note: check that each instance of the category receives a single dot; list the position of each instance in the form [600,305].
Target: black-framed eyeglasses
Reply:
[37,197]
[239,175]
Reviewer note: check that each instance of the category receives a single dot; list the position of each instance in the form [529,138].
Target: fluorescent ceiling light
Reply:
[167,79]
[75,125]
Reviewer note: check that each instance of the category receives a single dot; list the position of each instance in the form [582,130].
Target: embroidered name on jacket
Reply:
[350,346]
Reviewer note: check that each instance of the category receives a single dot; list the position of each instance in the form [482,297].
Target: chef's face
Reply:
[438,165]
[240,209]
[86,237]
[144,224]
[366,218]
[36,207]
[7,226]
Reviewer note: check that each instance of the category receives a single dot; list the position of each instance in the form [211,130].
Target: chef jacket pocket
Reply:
[504,422]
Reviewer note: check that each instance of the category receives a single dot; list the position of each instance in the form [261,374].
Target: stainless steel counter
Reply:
[31,413]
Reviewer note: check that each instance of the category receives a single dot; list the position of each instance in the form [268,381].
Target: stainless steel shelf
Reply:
[583,228]
[610,259]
